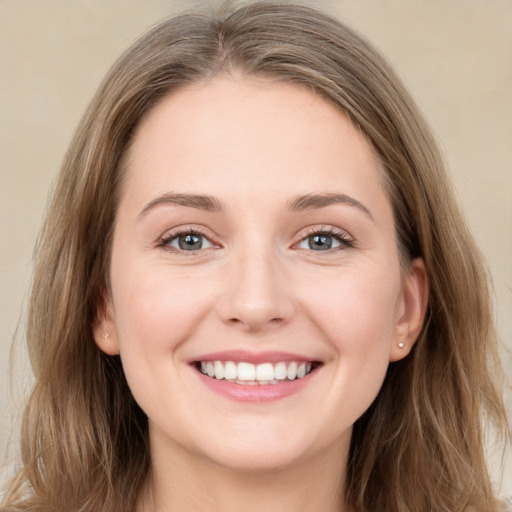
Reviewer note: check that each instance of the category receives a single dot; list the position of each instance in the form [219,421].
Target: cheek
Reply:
[155,311]
[357,319]
[356,312]
[355,309]
[154,316]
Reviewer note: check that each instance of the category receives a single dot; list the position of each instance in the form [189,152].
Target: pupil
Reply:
[190,242]
[320,242]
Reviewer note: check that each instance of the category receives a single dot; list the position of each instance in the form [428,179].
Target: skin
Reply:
[256,285]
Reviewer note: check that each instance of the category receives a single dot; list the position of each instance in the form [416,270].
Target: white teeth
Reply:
[219,370]
[229,370]
[247,382]
[291,372]
[246,371]
[250,374]
[265,371]
[280,371]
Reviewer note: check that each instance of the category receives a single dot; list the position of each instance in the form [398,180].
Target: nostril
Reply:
[256,310]
[255,324]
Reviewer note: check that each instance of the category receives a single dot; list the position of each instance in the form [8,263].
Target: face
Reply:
[256,292]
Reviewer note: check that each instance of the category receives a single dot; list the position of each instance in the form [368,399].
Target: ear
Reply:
[104,328]
[412,310]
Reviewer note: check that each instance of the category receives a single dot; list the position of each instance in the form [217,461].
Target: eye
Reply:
[326,240]
[186,241]
[319,242]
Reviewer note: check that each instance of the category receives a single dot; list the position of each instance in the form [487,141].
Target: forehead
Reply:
[251,135]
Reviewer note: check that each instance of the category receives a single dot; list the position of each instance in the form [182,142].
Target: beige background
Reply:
[454,55]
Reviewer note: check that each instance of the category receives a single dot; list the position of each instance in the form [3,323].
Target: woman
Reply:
[254,288]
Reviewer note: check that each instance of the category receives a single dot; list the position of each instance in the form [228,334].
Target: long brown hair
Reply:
[419,447]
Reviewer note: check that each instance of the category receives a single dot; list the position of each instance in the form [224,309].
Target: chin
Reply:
[260,460]
[268,450]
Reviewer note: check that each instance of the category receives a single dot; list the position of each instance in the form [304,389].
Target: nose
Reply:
[257,297]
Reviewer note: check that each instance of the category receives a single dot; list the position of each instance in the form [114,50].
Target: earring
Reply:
[106,336]
[401,344]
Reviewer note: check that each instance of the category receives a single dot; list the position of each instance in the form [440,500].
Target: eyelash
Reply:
[345,241]
[168,238]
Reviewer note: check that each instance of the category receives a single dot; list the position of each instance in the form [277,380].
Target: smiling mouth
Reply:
[248,374]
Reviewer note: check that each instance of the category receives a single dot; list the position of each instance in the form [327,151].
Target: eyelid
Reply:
[346,240]
[164,240]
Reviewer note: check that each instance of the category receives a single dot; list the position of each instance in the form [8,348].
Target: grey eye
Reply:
[190,242]
[319,242]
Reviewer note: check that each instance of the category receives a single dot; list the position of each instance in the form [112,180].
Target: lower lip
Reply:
[256,392]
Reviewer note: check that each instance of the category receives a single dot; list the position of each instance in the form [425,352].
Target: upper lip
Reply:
[252,357]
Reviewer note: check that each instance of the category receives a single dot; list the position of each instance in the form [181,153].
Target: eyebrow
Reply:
[296,204]
[312,201]
[198,201]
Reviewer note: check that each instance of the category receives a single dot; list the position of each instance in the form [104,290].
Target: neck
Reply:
[183,483]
